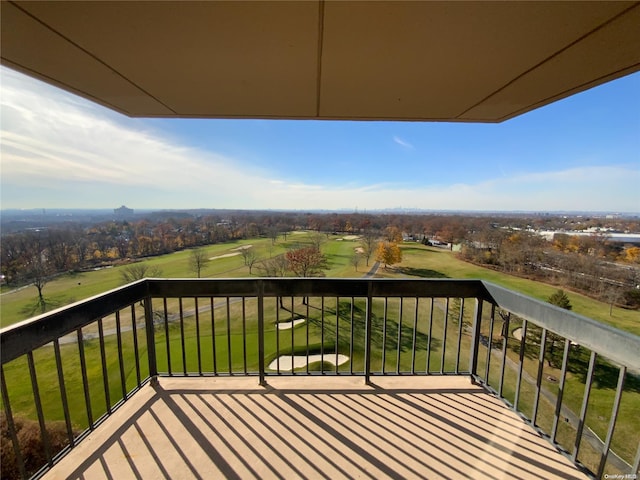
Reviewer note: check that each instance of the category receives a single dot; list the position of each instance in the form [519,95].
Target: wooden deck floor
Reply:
[312,428]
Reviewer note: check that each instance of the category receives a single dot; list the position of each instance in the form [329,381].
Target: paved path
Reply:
[373,271]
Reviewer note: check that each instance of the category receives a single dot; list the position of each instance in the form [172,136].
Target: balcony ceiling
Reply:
[440,61]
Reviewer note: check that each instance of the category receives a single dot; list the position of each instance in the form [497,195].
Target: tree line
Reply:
[607,271]
[589,264]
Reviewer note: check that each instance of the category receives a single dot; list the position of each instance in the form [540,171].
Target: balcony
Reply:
[310,378]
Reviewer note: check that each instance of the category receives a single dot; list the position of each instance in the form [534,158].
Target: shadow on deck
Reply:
[314,427]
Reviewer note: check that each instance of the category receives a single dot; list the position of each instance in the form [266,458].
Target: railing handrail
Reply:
[23,337]
[617,345]
[309,286]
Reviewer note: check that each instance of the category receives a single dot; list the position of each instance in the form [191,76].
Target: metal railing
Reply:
[71,368]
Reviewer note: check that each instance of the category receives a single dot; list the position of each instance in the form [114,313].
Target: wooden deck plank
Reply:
[311,428]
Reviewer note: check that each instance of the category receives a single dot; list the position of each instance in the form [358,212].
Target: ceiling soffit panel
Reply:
[403,60]
[388,60]
[572,70]
[203,58]
[57,61]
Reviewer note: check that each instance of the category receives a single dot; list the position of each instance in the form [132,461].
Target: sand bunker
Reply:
[299,361]
[517,333]
[351,237]
[224,256]
[289,325]
[359,250]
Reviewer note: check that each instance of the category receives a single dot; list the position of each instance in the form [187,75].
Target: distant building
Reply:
[123,212]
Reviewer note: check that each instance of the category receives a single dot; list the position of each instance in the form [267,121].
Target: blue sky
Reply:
[61,151]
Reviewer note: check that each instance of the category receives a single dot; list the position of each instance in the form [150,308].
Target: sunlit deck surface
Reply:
[314,427]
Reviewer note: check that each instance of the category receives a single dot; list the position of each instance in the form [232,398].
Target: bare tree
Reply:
[138,271]
[37,268]
[38,271]
[273,234]
[613,294]
[369,241]
[275,267]
[249,256]
[198,260]
[316,240]
[355,260]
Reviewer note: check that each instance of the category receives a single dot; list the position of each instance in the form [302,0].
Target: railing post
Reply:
[475,339]
[367,336]
[261,367]
[151,343]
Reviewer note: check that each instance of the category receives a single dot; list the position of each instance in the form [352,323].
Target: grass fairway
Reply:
[419,261]
[226,262]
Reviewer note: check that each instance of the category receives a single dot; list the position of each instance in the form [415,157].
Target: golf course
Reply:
[220,336]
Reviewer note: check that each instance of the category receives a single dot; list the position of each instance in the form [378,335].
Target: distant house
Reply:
[123,212]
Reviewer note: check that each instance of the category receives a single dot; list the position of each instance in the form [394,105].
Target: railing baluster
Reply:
[183,350]
[475,339]
[244,334]
[321,335]
[278,338]
[123,381]
[428,370]
[489,344]
[413,341]
[384,335]
[85,379]
[38,403]
[520,365]
[585,404]
[399,345]
[367,335]
[213,334]
[460,320]
[198,347]
[543,346]
[136,353]
[103,362]
[636,463]
[444,334]
[505,342]
[10,424]
[166,336]
[307,322]
[229,336]
[292,318]
[352,334]
[563,376]
[612,422]
[337,330]
[261,366]
[63,392]
[150,337]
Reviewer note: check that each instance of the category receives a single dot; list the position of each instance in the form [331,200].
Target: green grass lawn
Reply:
[429,262]
[418,262]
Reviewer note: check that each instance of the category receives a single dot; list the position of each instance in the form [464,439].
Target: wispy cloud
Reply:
[60,151]
[403,143]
